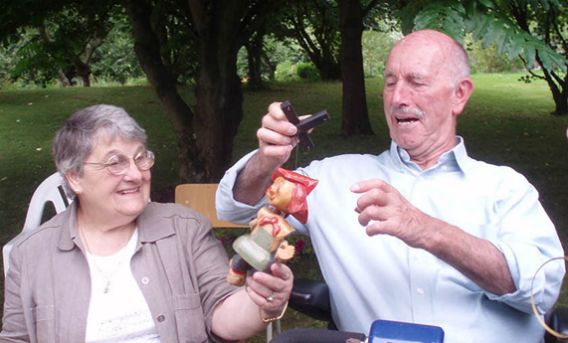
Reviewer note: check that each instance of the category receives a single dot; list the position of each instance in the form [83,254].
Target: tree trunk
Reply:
[83,71]
[329,69]
[561,104]
[254,57]
[63,78]
[219,95]
[147,49]
[355,117]
[270,65]
[559,93]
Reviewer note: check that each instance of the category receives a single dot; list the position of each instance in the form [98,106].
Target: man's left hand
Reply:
[388,212]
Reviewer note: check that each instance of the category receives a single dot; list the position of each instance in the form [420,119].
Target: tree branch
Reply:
[530,71]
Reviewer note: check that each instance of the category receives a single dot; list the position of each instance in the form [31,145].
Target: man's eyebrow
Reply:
[415,76]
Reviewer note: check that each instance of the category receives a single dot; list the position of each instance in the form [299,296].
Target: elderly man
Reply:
[448,240]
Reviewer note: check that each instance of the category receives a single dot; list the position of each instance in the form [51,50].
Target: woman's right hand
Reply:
[271,292]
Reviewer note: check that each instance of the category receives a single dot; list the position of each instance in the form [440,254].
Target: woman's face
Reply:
[108,197]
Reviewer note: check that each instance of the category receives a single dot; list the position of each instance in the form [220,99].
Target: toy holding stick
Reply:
[266,242]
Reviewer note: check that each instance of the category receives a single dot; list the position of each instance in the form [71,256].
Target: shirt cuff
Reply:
[523,262]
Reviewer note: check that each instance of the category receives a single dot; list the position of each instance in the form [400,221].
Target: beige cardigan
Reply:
[178,263]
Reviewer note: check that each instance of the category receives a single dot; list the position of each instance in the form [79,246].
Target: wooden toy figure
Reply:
[266,244]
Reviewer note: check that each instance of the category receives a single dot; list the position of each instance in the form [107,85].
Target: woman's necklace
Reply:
[109,275]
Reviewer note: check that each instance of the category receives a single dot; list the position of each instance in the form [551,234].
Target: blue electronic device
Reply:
[386,331]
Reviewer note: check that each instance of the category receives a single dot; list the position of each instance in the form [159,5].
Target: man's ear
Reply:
[463,91]
[74,181]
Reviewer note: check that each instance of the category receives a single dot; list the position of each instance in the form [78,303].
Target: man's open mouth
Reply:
[406,121]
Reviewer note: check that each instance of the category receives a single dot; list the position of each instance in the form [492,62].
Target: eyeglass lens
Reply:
[118,164]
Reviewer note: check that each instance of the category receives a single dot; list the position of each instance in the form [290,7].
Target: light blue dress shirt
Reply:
[381,277]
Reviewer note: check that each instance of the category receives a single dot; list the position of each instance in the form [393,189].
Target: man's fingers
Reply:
[282,126]
[373,197]
[278,151]
[371,213]
[364,186]
[304,117]
[376,228]
[267,136]
[275,109]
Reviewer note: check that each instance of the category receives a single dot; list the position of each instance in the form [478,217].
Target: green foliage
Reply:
[488,60]
[487,22]
[307,71]
[445,16]
[376,47]
[56,39]
[314,24]
[115,60]
[286,72]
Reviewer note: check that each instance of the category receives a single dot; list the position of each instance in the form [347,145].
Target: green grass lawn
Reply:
[506,122]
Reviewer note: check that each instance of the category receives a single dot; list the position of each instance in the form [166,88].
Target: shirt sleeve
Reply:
[528,240]
[212,266]
[14,327]
[227,207]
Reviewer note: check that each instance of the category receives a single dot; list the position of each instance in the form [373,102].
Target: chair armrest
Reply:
[558,321]
[311,298]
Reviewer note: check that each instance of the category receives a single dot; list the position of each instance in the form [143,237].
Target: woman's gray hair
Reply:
[73,143]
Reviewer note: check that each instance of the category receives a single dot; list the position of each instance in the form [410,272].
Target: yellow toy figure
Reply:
[266,242]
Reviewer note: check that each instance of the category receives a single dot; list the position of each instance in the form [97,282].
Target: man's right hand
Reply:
[276,137]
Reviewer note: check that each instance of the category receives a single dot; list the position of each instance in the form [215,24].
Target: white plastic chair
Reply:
[50,190]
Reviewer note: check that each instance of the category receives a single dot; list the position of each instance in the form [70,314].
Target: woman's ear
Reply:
[74,181]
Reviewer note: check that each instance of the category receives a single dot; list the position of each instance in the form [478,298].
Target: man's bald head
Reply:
[447,48]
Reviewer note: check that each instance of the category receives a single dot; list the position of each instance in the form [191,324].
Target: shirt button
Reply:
[161,318]
[444,168]
[145,280]
[419,291]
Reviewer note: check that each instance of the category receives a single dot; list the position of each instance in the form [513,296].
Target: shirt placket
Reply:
[419,266]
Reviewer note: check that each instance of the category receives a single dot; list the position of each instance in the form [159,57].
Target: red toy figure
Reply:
[266,242]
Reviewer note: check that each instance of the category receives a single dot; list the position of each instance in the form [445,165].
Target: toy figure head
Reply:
[289,191]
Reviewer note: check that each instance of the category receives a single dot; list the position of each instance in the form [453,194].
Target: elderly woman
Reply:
[116,267]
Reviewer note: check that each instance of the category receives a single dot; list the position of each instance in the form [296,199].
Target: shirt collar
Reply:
[148,219]
[453,160]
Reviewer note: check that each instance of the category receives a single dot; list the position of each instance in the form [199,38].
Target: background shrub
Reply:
[307,71]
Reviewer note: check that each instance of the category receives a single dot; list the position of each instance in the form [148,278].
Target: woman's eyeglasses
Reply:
[119,164]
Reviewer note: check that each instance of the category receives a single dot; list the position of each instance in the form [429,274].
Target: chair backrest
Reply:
[201,197]
[50,190]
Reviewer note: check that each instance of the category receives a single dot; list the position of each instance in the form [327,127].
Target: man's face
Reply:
[419,97]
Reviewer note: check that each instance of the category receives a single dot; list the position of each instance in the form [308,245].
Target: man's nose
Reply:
[401,94]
